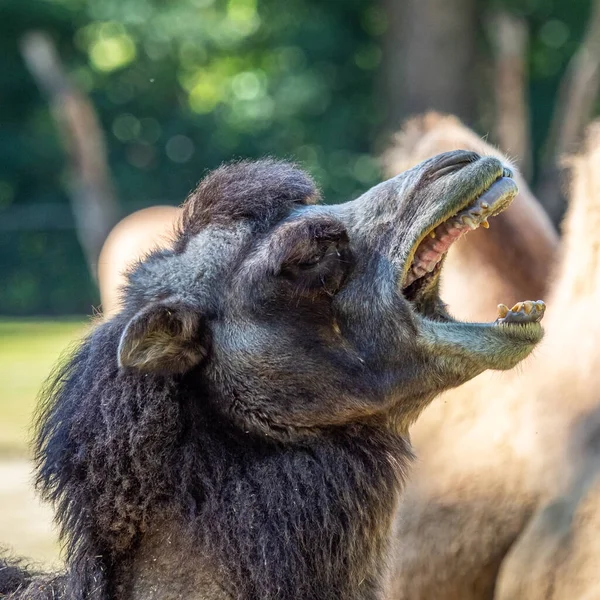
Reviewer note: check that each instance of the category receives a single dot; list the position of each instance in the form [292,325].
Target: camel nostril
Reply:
[450,162]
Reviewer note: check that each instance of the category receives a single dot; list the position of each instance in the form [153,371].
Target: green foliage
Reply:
[183,85]
[180,87]
[44,272]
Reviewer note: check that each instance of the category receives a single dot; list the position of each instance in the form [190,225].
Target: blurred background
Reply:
[109,106]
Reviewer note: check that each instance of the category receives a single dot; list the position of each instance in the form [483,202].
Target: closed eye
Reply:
[326,269]
[329,251]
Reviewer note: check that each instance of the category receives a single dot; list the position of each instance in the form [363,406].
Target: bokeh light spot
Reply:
[141,155]
[126,128]
[180,148]
[367,57]
[246,86]
[204,96]
[554,33]
[112,53]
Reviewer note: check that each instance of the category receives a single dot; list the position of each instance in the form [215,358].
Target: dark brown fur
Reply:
[238,429]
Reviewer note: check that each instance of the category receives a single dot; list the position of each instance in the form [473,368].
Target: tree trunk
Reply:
[429,58]
[93,200]
[510,41]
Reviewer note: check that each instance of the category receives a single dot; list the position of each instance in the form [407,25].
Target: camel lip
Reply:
[422,270]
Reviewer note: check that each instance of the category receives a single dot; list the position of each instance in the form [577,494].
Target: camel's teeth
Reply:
[502,310]
[485,224]
[468,221]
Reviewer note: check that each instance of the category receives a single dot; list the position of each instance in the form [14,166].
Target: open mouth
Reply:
[429,251]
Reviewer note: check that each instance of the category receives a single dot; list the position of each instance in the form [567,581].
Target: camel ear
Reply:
[165,338]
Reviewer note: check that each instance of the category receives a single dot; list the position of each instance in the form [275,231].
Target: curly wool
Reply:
[117,452]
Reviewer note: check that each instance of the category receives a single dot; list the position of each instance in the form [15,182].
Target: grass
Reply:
[29,349]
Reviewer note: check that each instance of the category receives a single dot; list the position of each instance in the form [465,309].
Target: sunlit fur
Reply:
[557,552]
[463,506]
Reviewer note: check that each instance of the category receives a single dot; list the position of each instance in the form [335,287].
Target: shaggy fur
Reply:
[557,553]
[13,576]
[238,429]
[165,453]
[256,191]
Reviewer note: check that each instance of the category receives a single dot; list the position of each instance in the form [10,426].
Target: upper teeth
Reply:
[436,243]
[469,221]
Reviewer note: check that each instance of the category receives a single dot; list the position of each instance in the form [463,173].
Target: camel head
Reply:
[293,316]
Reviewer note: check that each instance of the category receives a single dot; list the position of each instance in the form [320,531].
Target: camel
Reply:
[238,430]
[557,555]
[481,260]
[130,240]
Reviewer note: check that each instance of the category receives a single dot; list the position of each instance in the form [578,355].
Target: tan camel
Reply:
[130,240]
[474,484]
[558,555]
